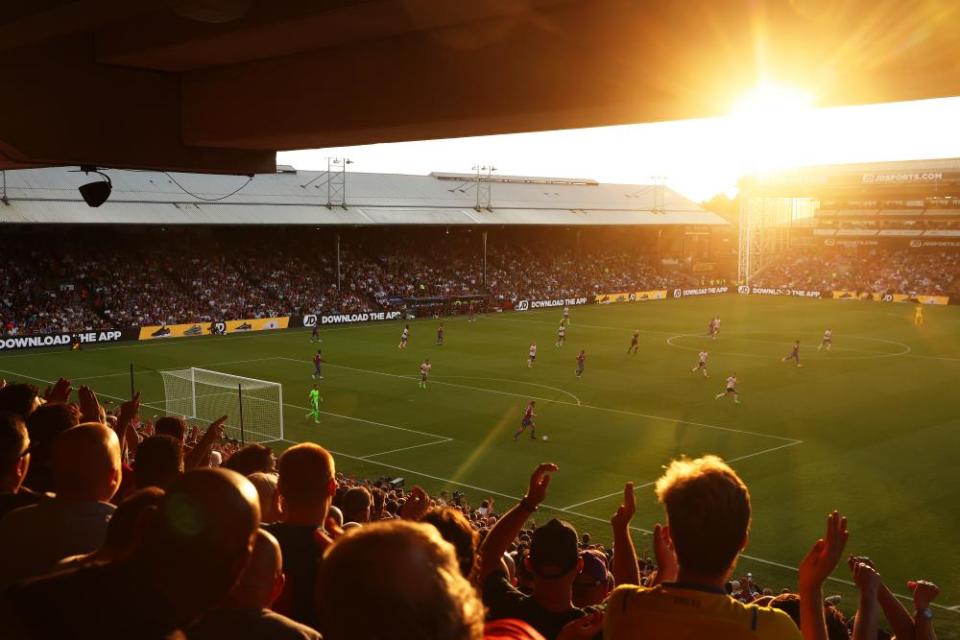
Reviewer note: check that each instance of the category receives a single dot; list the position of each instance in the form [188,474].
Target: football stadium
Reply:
[242,398]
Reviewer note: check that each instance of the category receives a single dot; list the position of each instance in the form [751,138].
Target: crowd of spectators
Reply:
[173,277]
[113,529]
[906,271]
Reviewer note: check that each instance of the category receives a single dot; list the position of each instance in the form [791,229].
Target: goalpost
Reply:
[254,407]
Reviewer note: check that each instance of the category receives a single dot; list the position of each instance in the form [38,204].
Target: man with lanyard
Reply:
[708,518]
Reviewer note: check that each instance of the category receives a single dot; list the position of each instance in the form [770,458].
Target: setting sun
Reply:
[768,101]
[772,124]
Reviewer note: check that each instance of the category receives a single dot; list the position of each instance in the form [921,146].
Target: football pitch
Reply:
[870,428]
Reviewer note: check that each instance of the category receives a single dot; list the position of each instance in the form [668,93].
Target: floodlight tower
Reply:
[337,182]
[659,183]
[765,226]
[484,185]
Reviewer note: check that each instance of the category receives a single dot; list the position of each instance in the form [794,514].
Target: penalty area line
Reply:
[437,436]
[650,484]
[563,402]
[413,446]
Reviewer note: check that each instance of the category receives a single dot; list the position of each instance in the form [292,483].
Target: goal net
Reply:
[254,408]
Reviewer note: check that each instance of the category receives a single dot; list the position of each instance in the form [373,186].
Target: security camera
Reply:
[96,193]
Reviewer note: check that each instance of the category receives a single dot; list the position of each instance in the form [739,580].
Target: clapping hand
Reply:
[866,578]
[924,592]
[90,407]
[825,554]
[667,565]
[60,392]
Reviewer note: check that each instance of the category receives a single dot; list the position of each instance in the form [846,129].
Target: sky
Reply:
[772,128]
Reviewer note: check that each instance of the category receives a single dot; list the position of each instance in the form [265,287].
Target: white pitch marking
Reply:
[905,348]
[415,446]
[373,422]
[649,484]
[530,384]
[569,404]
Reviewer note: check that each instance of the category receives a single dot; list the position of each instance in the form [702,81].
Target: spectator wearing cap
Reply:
[554,561]
[86,473]
[594,582]
[14,463]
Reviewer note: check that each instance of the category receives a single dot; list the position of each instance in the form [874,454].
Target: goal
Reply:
[254,408]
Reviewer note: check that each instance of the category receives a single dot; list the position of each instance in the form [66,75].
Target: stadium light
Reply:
[96,193]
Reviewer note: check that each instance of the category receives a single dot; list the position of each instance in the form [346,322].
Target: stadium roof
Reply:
[220,85]
[287,197]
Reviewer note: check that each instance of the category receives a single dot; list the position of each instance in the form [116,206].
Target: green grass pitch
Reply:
[870,428]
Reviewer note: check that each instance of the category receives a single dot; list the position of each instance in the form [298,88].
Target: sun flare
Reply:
[772,123]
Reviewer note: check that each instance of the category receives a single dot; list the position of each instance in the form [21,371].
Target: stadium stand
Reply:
[258,273]
[875,271]
[244,274]
[532,580]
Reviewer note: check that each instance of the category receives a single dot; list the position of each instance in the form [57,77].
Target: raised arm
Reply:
[128,413]
[899,619]
[924,593]
[868,584]
[202,449]
[625,569]
[509,525]
[814,570]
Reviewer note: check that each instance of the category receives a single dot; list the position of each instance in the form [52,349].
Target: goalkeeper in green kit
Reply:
[315,401]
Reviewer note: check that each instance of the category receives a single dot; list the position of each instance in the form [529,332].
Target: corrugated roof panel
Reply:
[50,195]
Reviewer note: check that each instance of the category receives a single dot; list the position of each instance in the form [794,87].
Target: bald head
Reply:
[262,579]
[412,574]
[306,477]
[86,462]
[203,535]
